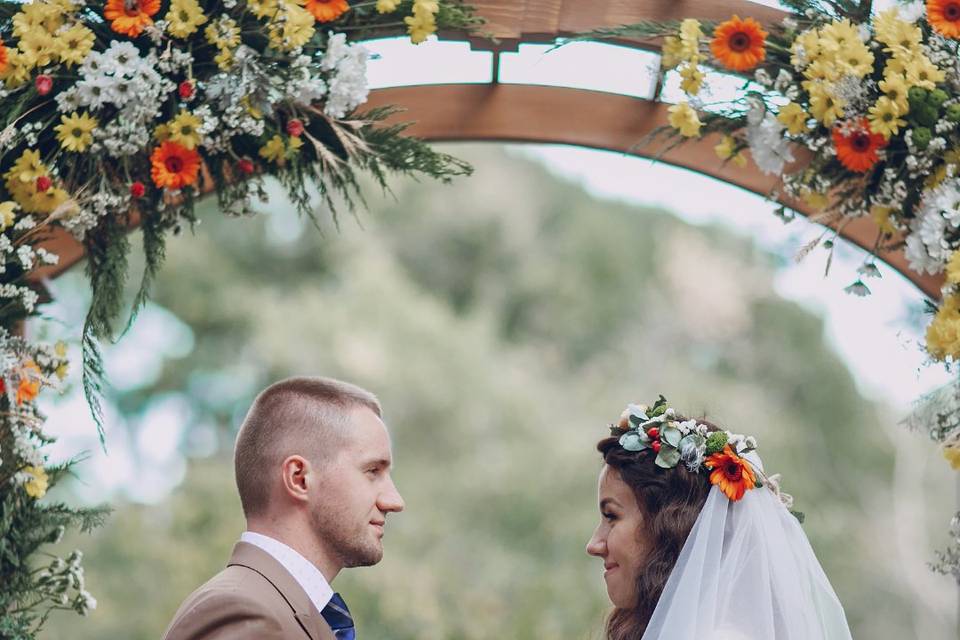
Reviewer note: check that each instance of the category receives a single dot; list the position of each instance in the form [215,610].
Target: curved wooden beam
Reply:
[525,113]
[513,21]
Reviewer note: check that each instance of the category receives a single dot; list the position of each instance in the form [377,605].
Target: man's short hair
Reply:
[303,415]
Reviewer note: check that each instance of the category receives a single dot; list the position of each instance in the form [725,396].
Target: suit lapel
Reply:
[255,558]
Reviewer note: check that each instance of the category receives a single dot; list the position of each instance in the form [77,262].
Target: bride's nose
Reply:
[597,546]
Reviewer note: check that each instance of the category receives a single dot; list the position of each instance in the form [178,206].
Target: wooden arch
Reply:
[599,120]
[542,114]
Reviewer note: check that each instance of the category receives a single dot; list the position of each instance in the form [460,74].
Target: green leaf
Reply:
[668,457]
[633,441]
[671,435]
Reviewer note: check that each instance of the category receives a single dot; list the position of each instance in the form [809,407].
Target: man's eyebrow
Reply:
[380,463]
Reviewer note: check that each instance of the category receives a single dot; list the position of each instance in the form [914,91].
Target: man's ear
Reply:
[296,472]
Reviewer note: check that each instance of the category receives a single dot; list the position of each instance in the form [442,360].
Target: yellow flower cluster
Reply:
[683,51]
[275,150]
[184,18]
[907,67]
[684,119]
[943,334]
[37,482]
[423,20]
[289,26]
[46,35]
[827,55]
[224,34]
[22,180]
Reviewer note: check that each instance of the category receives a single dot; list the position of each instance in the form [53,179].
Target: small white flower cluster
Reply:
[768,146]
[64,581]
[935,229]
[119,76]
[120,137]
[348,87]
[19,293]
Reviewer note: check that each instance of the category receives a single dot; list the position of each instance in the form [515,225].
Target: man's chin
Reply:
[367,557]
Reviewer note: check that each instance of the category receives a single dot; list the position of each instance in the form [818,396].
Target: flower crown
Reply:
[676,440]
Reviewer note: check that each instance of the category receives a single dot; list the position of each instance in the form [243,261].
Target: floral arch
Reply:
[375,142]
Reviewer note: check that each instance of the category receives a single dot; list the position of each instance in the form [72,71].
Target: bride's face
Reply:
[617,539]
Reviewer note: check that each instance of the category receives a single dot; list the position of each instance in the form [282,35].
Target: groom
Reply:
[312,464]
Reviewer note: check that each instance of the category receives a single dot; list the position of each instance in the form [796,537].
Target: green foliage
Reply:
[31,592]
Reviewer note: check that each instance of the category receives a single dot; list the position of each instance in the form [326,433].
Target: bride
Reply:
[697,543]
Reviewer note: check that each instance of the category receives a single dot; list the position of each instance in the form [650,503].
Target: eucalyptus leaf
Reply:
[668,457]
[633,442]
[671,435]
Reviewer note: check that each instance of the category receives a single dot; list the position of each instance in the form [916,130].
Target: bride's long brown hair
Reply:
[670,501]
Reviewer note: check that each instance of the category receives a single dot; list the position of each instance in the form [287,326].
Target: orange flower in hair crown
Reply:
[674,439]
[731,473]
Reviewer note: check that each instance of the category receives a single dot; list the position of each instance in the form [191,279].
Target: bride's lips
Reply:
[609,568]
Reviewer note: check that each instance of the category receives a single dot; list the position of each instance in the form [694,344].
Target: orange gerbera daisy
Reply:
[327,10]
[4,58]
[857,145]
[173,166]
[130,17]
[944,16]
[731,473]
[738,44]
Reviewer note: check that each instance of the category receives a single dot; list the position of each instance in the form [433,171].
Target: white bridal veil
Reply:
[747,572]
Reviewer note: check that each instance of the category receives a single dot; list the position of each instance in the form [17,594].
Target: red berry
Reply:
[137,189]
[245,166]
[44,84]
[44,183]
[655,446]
[186,89]
[653,432]
[295,128]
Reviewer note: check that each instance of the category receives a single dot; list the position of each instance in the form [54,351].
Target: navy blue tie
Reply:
[338,617]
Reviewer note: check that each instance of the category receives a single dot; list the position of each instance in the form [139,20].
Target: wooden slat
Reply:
[523,113]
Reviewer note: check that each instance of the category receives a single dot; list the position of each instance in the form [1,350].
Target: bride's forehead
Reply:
[610,483]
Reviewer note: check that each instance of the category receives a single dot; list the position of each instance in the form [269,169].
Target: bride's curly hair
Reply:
[670,501]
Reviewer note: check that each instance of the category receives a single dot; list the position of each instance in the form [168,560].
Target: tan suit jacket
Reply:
[254,598]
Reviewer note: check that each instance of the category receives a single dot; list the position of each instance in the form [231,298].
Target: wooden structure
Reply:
[541,114]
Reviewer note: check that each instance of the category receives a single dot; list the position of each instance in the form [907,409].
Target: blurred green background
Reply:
[503,321]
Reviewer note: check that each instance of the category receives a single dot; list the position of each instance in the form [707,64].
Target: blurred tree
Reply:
[503,321]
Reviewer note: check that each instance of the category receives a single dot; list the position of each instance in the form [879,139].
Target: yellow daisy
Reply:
[885,117]
[274,150]
[923,73]
[75,44]
[184,129]
[794,118]
[685,120]
[671,54]
[824,106]
[856,60]
[184,17]
[75,132]
[387,6]
[727,150]
[840,35]
[691,79]
[8,214]
[895,88]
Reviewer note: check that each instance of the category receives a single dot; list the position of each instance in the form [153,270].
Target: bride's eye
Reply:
[609,517]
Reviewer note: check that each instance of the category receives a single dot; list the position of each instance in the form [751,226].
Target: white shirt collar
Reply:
[303,571]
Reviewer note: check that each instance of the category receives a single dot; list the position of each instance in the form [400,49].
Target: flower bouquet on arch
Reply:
[856,113]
